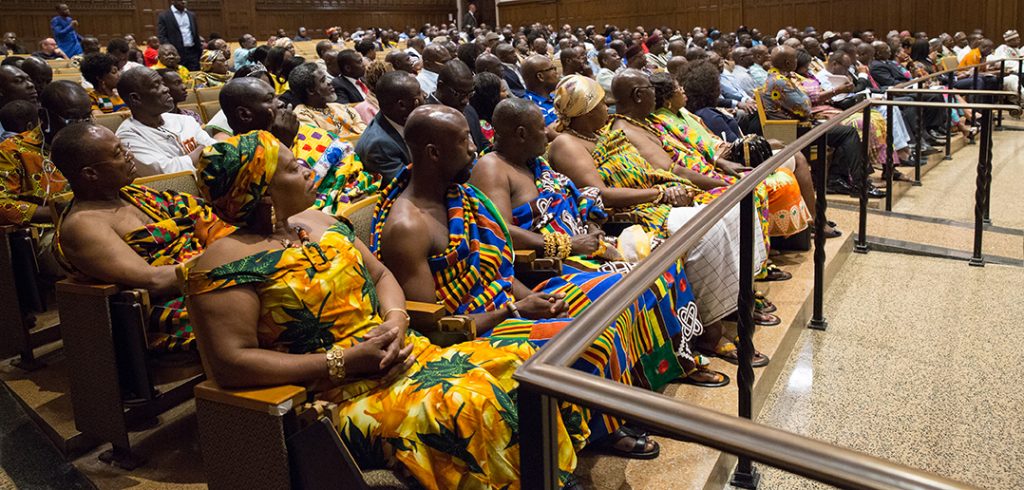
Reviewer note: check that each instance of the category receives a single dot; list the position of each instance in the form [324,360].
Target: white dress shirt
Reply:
[164,150]
[428,81]
[359,86]
[184,26]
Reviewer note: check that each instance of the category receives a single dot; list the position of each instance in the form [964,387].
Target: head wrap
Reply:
[206,60]
[575,96]
[1010,34]
[653,40]
[234,175]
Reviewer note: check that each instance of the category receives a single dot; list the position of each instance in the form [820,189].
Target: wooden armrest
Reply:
[71,286]
[621,217]
[274,400]
[525,256]
[424,314]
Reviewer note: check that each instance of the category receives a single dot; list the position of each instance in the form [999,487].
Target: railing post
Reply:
[890,164]
[746,476]
[987,219]
[949,126]
[1002,77]
[821,202]
[978,260]
[862,226]
[920,139]
[538,442]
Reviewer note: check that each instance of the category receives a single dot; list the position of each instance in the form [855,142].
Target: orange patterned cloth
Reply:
[27,179]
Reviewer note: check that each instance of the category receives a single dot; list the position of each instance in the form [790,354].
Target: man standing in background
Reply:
[177,26]
[469,21]
[64,32]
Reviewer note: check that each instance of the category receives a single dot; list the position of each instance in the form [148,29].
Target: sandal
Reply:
[763,304]
[729,353]
[572,482]
[766,319]
[688,378]
[639,449]
[773,273]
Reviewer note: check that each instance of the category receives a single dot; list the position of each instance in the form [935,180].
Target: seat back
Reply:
[209,109]
[784,130]
[192,107]
[208,94]
[113,120]
[360,214]
[190,97]
[184,181]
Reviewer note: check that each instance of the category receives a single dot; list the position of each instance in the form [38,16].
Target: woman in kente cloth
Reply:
[548,207]
[474,276]
[338,174]
[293,297]
[591,153]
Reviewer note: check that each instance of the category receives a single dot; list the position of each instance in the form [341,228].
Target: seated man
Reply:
[784,99]
[26,182]
[446,244]
[317,106]
[15,84]
[162,142]
[48,50]
[381,147]
[347,83]
[455,85]
[249,104]
[109,231]
[592,154]
[434,58]
[39,71]
[542,204]
[167,57]
[510,68]
[541,76]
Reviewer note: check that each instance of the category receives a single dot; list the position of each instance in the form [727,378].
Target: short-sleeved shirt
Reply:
[546,104]
[783,98]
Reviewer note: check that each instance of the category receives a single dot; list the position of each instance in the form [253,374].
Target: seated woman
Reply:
[487,93]
[592,154]
[316,99]
[369,107]
[788,213]
[546,208]
[102,72]
[294,297]
[178,93]
[448,245]
[127,234]
[214,71]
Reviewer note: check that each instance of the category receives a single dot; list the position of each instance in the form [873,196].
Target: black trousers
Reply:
[847,159]
[190,57]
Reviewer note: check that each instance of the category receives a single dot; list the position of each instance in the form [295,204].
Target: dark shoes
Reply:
[843,187]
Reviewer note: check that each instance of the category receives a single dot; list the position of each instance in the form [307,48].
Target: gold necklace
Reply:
[592,139]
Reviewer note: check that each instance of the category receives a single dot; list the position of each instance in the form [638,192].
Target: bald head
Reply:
[455,85]
[435,56]
[401,61]
[39,71]
[65,101]
[249,104]
[488,63]
[505,52]
[784,58]
[439,142]
[633,92]
[75,142]
[540,74]
[398,93]
[676,65]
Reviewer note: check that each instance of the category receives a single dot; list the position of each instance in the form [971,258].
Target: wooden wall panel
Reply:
[932,16]
[106,19]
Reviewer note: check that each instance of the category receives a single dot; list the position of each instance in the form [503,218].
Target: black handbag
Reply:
[750,150]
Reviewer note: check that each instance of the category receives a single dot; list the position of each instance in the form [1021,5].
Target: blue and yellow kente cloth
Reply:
[474,274]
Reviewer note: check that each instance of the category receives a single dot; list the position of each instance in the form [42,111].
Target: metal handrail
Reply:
[548,375]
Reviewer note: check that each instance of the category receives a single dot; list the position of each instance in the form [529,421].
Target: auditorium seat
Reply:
[113,120]
[209,109]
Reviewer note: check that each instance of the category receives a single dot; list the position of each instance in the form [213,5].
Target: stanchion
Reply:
[1002,78]
[820,179]
[538,442]
[920,138]
[949,120]
[977,259]
[987,219]
[746,475]
[862,226]
[890,164]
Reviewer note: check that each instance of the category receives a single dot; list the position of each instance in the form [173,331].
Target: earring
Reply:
[273,219]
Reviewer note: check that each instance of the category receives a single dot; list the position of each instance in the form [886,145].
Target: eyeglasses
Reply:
[460,94]
[67,121]
[550,68]
[644,87]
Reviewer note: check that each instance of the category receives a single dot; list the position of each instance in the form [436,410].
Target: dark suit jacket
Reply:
[347,92]
[513,82]
[886,74]
[472,119]
[382,150]
[169,33]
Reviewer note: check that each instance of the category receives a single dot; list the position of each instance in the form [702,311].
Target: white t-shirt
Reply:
[164,150]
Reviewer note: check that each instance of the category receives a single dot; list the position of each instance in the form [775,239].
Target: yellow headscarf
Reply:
[575,96]
[234,175]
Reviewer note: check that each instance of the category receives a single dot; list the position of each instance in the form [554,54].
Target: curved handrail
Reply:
[548,373]
[947,72]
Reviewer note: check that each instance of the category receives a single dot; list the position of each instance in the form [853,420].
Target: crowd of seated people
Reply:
[477,143]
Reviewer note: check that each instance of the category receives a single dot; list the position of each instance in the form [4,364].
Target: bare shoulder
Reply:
[86,223]
[487,169]
[235,246]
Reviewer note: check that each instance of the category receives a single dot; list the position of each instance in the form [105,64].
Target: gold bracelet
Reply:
[661,194]
[400,310]
[336,364]
[550,245]
[566,246]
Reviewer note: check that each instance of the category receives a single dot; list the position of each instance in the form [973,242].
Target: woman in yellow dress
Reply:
[294,297]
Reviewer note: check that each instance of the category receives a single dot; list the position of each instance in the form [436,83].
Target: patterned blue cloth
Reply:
[546,104]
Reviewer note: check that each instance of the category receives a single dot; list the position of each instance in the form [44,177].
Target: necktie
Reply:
[362,87]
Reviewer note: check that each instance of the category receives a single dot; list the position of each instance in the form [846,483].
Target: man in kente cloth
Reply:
[446,243]
[130,235]
[543,204]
